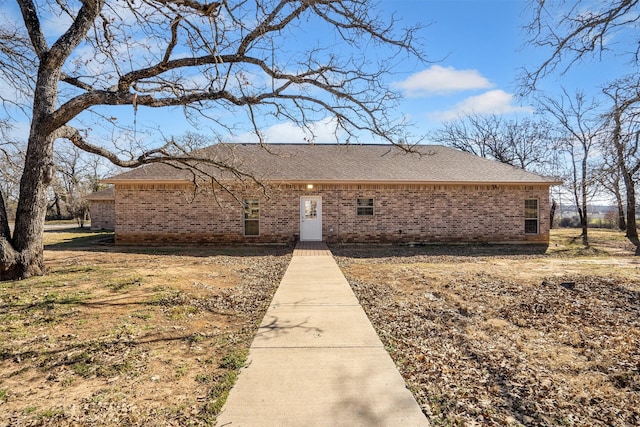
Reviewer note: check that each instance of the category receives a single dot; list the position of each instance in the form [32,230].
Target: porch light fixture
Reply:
[309,186]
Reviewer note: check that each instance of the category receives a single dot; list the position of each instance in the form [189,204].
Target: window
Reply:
[364,207]
[531,216]
[251,217]
[310,209]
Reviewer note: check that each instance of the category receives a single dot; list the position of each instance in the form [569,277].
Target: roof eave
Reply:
[145,181]
[339,181]
[414,182]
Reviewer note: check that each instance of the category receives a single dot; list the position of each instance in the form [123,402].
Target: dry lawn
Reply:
[483,335]
[508,336]
[134,336]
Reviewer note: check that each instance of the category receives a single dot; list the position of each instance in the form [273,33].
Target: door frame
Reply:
[316,234]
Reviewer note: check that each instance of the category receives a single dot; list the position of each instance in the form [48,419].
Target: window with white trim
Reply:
[364,207]
[531,216]
[251,217]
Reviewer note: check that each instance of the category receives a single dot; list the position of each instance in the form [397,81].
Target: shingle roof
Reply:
[106,194]
[343,163]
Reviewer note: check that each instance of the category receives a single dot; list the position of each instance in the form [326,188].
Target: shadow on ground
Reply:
[469,250]
[83,239]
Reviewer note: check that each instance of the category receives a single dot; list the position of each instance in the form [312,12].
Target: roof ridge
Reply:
[326,144]
[296,162]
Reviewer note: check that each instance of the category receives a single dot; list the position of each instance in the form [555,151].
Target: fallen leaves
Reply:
[479,346]
[128,337]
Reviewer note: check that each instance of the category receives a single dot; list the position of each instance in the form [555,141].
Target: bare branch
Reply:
[84,20]
[75,81]
[170,153]
[32,23]
[205,9]
[521,143]
[571,33]
[216,60]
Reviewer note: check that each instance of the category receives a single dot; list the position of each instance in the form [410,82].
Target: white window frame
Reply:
[536,219]
[372,206]
[246,217]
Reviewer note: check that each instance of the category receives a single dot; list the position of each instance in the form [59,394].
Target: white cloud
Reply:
[439,80]
[491,102]
[289,132]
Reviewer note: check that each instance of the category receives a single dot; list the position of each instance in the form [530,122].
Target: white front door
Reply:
[311,218]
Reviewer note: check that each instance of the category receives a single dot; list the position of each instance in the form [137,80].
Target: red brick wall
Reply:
[103,215]
[403,213]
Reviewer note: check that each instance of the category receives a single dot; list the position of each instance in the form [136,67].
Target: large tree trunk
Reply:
[7,253]
[22,255]
[21,260]
[632,228]
[627,173]
[584,218]
[32,208]
[622,223]
[629,185]
[552,213]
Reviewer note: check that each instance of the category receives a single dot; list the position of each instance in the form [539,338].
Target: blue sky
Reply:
[477,49]
[477,46]
[481,49]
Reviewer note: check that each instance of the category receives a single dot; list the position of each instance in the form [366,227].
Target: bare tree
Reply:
[522,143]
[475,134]
[11,165]
[609,176]
[575,29]
[580,127]
[624,119]
[76,176]
[214,60]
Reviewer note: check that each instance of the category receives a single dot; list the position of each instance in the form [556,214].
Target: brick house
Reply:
[336,193]
[102,209]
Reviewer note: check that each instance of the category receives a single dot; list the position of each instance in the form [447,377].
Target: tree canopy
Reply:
[571,31]
[218,61]
[227,63]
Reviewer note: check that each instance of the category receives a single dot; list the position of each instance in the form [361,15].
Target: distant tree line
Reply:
[591,143]
[76,175]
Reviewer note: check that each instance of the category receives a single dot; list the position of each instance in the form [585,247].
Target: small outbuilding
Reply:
[250,193]
[102,209]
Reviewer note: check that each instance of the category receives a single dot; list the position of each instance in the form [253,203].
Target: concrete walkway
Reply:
[316,360]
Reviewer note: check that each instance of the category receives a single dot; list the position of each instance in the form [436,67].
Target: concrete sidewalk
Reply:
[316,360]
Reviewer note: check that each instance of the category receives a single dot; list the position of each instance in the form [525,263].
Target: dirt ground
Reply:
[484,335]
[133,336]
[509,335]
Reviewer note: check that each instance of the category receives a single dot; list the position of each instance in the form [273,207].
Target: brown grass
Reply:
[507,336]
[140,336]
[483,334]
